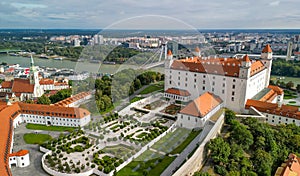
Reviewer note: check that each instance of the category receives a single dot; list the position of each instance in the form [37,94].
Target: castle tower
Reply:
[197,52]
[245,67]
[169,59]
[266,58]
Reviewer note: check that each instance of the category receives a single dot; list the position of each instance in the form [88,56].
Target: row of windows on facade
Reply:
[287,119]
[175,96]
[204,76]
[196,120]
[14,158]
[55,123]
[49,113]
[213,89]
[43,117]
[279,121]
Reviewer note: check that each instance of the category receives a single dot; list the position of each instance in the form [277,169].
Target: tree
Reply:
[289,85]
[241,135]
[220,150]
[201,174]
[29,101]
[44,100]
[229,116]
[262,162]
[298,88]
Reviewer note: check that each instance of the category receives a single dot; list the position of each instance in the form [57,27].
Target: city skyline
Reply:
[166,14]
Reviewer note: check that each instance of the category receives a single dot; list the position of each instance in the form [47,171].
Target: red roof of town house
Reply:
[20,153]
[46,81]
[169,53]
[220,66]
[272,108]
[6,84]
[291,167]
[267,49]
[179,92]
[197,49]
[297,53]
[202,105]
[22,86]
[277,89]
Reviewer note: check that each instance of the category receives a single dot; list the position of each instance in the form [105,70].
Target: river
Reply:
[78,66]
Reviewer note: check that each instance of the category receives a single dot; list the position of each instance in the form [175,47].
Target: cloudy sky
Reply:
[201,14]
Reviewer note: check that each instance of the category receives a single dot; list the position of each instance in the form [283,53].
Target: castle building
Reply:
[239,84]
[234,80]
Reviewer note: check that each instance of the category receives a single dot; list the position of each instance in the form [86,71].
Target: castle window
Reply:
[204,76]
[233,86]
[223,91]
[233,92]
[203,88]
[232,98]
[195,80]
[233,80]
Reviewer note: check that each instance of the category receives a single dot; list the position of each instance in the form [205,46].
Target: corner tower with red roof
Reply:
[266,58]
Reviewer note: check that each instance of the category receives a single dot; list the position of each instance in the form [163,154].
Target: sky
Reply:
[148,14]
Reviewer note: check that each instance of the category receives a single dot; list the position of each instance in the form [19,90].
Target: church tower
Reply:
[266,58]
[34,79]
[33,75]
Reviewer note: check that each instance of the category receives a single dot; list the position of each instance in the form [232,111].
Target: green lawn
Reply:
[135,99]
[146,160]
[49,128]
[186,142]
[152,88]
[287,79]
[118,150]
[32,138]
[172,140]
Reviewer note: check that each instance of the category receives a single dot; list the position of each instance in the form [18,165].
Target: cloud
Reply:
[197,13]
[275,3]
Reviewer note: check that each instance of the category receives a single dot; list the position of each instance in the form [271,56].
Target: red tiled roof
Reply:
[220,66]
[6,84]
[169,53]
[22,86]
[179,92]
[267,49]
[246,58]
[291,167]
[72,99]
[269,97]
[9,113]
[19,153]
[46,81]
[277,89]
[58,111]
[272,108]
[202,105]
[256,67]
[197,49]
